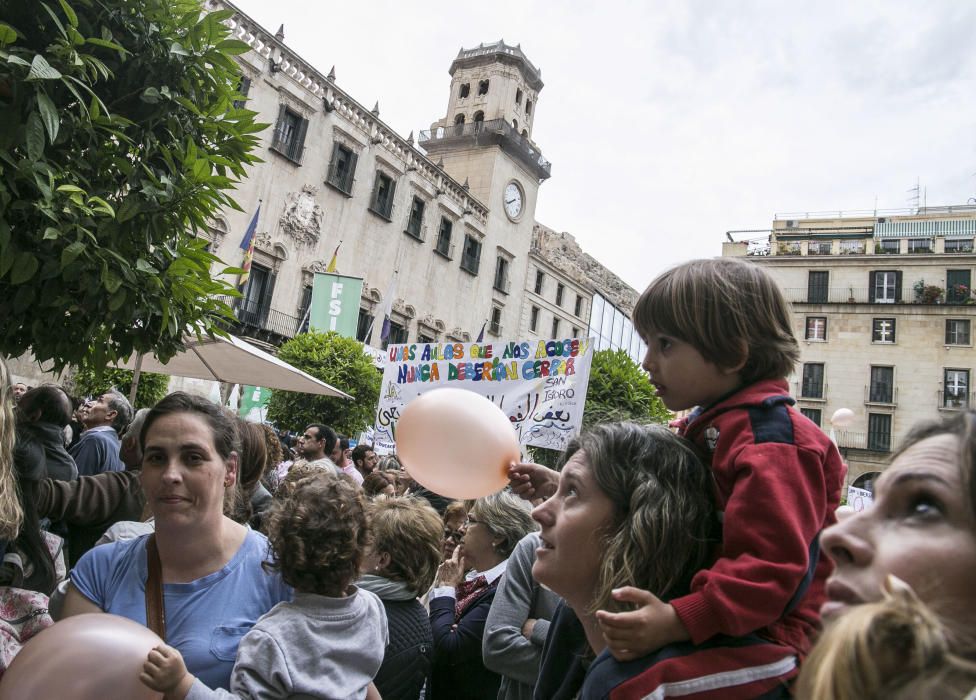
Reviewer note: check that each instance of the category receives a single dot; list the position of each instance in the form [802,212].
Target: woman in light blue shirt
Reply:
[214,587]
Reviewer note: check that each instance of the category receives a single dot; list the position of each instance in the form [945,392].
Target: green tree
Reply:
[339,361]
[119,140]
[152,387]
[619,390]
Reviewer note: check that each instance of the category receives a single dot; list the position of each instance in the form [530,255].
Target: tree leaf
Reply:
[69,254]
[233,47]
[35,136]
[42,70]
[49,113]
[105,44]
[51,234]
[117,300]
[69,13]
[130,207]
[7,34]
[100,205]
[150,95]
[24,268]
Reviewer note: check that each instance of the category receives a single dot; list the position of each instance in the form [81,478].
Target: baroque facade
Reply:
[449,216]
[883,308]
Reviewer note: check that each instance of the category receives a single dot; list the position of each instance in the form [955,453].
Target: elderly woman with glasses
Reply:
[459,603]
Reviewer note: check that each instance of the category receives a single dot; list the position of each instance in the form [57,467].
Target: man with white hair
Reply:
[104,418]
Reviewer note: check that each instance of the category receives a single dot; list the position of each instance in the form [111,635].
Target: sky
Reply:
[669,123]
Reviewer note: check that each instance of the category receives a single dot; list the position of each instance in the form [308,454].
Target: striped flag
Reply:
[335,259]
[390,293]
[247,245]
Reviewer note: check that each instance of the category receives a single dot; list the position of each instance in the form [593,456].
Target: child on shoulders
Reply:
[329,641]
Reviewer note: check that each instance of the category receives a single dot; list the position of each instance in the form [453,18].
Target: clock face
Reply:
[513,200]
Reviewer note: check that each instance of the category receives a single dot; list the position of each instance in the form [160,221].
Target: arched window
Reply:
[525,133]
[515,124]
[459,119]
[479,116]
[528,107]
[518,96]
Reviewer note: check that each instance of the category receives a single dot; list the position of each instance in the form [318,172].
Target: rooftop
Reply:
[501,50]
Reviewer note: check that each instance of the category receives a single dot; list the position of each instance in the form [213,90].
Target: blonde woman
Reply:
[11,513]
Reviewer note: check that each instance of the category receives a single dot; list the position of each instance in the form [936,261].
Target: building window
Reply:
[364,326]
[528,107]
[444,246]
[555,328]
[518,96]
[852,247]
[482,87]
[813,380]
[471,257]
[253,309]
[888,246]
[342,168]
[459,120]
[957,331]
[956,388]
[816,328]
[879,432]
[415,222]
[501,274]
[820,248]
[578,309]
[479,117]
[243,87]
[424,338]
[303,308]
[289,135]
[814,414]
[398,335]
[383,190]
[920,245]
[882,388]
[560,288]
[959,245]
[575,332]
[959,286]
[817,281]
[540,278]
[882,330]
[465,90]
[534,319]
[884,286]
[495,327]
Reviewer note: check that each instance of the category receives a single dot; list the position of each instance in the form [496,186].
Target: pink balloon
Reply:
[456,443]
[96,656]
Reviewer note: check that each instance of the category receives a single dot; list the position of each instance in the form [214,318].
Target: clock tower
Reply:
[485,139]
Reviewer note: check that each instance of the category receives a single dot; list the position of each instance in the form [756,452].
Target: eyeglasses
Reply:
[471,520]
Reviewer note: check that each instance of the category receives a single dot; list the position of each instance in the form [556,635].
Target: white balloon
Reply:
[842,418]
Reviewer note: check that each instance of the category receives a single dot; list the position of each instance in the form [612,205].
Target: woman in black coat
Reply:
[459,603]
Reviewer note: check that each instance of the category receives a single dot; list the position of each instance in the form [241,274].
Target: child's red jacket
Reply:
[778,479]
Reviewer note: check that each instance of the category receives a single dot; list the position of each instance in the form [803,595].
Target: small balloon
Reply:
[95,656]
[842,418]
[456,443]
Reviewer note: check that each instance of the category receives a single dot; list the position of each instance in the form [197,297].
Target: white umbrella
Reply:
[233,361]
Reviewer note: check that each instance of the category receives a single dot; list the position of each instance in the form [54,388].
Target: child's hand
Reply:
[532,480]
[165,672]
[631,635]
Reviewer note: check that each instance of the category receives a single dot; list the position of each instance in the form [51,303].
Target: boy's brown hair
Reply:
[731,311]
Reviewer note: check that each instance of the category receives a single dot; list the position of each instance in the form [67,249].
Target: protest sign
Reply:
[859,499]
[540,385]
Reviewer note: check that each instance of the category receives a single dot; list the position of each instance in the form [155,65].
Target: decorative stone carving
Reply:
[262,240]
[317,266]
[399,305]
[302,219]
[428,320]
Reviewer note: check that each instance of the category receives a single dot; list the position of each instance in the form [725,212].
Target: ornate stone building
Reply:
[884,310]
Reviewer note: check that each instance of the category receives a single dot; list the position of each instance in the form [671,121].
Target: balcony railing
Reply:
[256,320]
[493,130]
[956,399]
[862,295]
[879,441]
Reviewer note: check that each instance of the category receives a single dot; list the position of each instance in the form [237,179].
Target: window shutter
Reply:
[898,286]
[331,176]
[872,279]
[350,175]
[279,125]
[269,286]
[374,200]
[389,199]
[298,142]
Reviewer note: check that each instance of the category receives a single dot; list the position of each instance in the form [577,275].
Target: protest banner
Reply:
[859,499]
[540,385]
[335,304]
[254,403]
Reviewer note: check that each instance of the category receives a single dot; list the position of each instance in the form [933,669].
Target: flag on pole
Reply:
[481,335]
[390,293]
[334,260]
[247,245]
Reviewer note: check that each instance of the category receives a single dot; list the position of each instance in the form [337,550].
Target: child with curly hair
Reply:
[326,643]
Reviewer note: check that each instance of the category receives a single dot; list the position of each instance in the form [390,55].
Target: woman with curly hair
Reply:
[633,507]
[328,641]
[378,484]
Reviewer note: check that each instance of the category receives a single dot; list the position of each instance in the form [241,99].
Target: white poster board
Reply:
[540,385]
[859,499]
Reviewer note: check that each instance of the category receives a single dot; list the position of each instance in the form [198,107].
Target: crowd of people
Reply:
[704,560]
